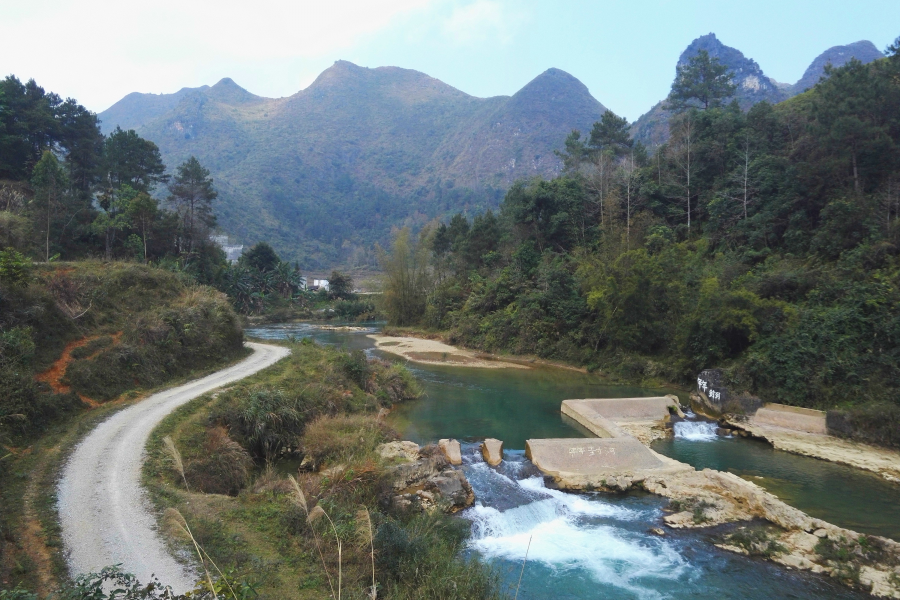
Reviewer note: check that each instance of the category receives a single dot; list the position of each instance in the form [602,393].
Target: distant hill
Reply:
[864,51]
[327,172]
[753,84]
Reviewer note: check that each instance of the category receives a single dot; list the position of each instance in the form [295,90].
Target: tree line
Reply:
[68,191]
[764,242]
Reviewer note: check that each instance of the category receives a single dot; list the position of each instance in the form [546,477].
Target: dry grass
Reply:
[175,457]
[225,466]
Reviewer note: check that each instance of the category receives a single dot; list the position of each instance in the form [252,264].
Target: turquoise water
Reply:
[844,496]
[593,545]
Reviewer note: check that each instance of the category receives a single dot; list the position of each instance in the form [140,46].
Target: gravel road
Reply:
[105,517]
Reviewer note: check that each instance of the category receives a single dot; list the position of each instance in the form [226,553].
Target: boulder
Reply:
[492,451]
[451,450]
[410,474]
[452,487]
[405,451]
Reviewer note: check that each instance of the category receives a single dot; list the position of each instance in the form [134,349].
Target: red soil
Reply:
[54,375]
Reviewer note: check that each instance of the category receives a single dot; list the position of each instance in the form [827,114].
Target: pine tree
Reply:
[49,182]
[702,83]
[192,193]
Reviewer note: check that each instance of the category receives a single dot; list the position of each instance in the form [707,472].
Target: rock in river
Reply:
[492,451]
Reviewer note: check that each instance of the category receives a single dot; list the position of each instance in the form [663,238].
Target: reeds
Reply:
[174,516]
[175,455]
[311,516]
[522,572]
[364,532]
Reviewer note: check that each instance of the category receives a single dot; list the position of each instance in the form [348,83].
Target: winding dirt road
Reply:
[104,514]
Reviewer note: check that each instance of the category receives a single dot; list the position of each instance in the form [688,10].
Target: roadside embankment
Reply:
[104,517]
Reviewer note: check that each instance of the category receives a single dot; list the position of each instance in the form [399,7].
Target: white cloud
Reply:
[99,50]
[480,21]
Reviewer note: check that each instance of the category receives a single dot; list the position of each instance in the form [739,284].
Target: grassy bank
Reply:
[313,416]
[79,341]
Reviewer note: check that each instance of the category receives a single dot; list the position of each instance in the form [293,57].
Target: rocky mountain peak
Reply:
[753,84]
[836,56]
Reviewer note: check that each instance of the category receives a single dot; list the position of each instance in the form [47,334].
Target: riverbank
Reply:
[709,499]
[434,352]
[882,461]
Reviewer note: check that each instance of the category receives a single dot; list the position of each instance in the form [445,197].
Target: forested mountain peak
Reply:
[378,146]
[753,84]
[836,56]
[228,92]
[555,95]
[410,85]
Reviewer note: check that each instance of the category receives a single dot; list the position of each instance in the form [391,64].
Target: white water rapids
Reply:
[696,431]
[570,531]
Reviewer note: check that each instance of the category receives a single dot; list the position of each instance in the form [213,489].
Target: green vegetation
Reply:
[74,336]
[765,242]
[757,540]
[317,409]
[357,153]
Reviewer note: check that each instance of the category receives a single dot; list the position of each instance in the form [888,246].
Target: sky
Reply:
[97,51]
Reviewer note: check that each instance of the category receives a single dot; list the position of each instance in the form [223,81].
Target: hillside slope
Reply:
[328,171]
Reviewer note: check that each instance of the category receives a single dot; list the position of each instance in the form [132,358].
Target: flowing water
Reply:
[841,495]
[598,546]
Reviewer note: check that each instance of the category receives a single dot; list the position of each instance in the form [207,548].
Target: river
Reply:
[596,545]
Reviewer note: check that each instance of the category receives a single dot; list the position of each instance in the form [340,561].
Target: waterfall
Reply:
[696,431]
[569,531]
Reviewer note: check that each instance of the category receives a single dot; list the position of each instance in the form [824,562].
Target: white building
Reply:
[322,284]
[232,251]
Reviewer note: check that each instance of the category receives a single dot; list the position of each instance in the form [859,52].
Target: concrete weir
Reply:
[614,452]
[591,456]
[601,415]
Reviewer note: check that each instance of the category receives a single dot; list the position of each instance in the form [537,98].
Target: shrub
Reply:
[874,422]
[420,558]
[270,421]
[343,438]
[225,467]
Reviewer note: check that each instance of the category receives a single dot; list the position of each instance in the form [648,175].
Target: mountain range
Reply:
[327,172]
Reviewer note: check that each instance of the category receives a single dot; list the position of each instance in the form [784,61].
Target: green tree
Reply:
[261,257]
[407,278]
[49,182]
[113,216]
[702,83]
[129,159]
[142,211]
[611,133]
[340,286]
[192,193]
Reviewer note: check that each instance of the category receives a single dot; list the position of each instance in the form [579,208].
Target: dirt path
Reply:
[104,515]
[57,371]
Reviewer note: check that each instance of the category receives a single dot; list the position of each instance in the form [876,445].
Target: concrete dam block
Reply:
[451,450]
[591,456]
[601,415]
[492,451]
[791,417]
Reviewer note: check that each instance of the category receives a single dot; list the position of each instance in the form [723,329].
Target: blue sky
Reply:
[625,52]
